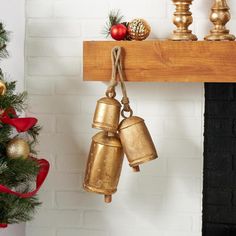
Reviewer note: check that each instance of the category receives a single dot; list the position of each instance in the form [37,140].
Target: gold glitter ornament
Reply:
[18,148]
[3,88]
[138,29]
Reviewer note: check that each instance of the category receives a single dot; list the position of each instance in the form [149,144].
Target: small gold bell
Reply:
[136,141]
[107,114]
[104,165]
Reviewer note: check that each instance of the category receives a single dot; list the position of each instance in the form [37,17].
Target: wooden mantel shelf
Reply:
[163,61]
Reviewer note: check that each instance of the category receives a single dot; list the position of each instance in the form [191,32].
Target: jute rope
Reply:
[117,69]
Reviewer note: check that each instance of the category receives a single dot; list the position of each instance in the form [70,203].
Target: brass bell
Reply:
[104,165]
[107,114]
[136,141]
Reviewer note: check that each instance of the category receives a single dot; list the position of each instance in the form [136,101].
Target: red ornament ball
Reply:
[118,32]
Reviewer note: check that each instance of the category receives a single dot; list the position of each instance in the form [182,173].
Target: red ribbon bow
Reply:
[43,172]
[10,117]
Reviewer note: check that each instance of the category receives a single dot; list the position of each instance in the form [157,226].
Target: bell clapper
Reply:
[136,169]
[108,198]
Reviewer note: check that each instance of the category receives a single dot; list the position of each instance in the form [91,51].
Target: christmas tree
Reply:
[21,173]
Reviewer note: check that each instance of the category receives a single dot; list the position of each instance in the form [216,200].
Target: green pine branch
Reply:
[17,174]
[14,210]
[4,39]
[19,171]
[114,18]
[12,99]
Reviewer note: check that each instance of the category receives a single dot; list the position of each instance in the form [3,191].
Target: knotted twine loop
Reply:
[117,68]
[111,93]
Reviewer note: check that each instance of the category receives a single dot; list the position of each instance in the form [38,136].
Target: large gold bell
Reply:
[107,114]
[104,165]
[136,141]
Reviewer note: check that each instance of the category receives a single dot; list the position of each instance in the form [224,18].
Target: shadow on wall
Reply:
[13,230]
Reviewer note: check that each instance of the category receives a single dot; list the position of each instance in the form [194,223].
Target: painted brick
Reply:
[181,127]
[220,214]
[73,8]
[165,221]
[66,124]
[54,66]
[37,8]
[220,179]
[152,185]
[187,202]
[54,104]
[76,200]
[39,86]
[158,167]
[219,91]
[72,163]
[92,29]
[39,231]
[47,122]
[128,181]
[65,144]
[48,47]
[219,161]
[83,232]
[157,108]
[47,198]
[219,127]
[221,108]
[147,9]
[54,28]
[218,196]
[186,167]
[75,86]
[127,220]
[57,218]
[217,230]
[99,220]
[63,181]
[156,92]
[137,233]
[136,202]
[185,147]
[177,185]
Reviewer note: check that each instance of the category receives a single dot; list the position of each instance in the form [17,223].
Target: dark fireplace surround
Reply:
[219,187]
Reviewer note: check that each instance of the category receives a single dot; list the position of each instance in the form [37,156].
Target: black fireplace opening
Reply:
[219,182]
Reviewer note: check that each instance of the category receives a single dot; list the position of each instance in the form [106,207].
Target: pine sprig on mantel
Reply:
[114,18]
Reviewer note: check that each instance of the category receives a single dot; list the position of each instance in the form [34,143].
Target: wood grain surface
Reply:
[163,61]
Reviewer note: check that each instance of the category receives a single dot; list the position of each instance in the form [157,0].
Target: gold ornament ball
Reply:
[18,148]
[139,29]
[2,88]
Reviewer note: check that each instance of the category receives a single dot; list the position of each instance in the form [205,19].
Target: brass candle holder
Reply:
[183,19]
[220,15]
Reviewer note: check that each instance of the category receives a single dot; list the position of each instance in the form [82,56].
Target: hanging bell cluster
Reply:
[106,153]
[130,137]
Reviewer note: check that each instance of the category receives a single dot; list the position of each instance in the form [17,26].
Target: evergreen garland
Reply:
[16,174]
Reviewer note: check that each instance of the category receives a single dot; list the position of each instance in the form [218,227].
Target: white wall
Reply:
[165,198]
[12,14]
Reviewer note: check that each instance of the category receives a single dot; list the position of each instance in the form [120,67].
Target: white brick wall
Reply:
[165,198]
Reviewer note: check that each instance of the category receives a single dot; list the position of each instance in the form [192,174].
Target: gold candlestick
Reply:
[220,15]
[183,19]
